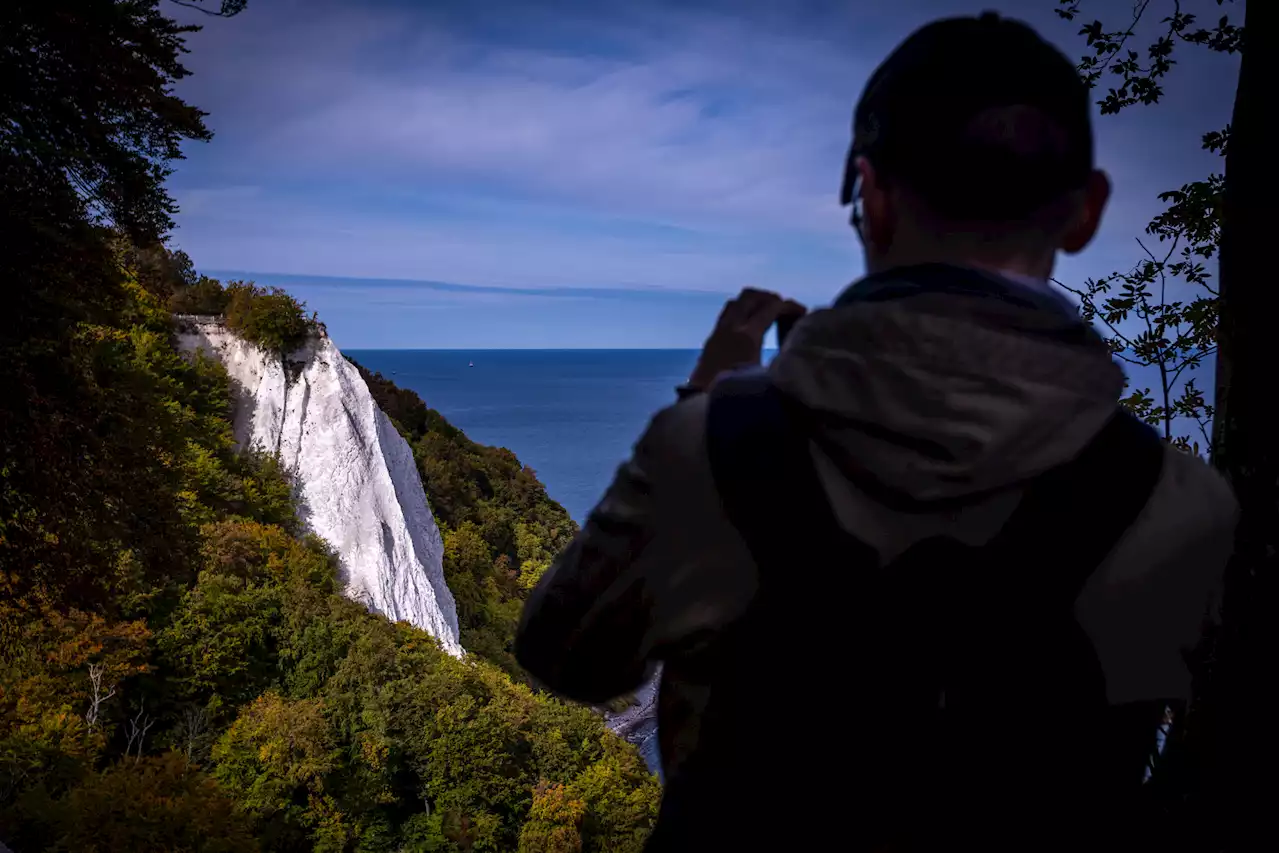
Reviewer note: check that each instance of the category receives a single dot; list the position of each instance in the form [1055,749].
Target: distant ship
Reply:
[471,364]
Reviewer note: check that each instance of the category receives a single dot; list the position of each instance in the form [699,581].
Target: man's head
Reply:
[973,144]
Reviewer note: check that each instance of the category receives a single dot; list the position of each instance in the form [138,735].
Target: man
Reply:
[920,584]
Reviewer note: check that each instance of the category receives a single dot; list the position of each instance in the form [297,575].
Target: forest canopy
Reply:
[178,670]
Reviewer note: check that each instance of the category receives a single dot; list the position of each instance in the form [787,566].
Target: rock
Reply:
[357,484]
[638,723]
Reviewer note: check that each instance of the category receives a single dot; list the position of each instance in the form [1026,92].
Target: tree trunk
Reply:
[1235,693]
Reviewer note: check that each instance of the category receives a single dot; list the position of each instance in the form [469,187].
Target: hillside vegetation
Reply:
[269,317]
[177,669]
[200,684]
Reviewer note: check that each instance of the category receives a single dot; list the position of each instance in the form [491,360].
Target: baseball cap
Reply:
[979,116]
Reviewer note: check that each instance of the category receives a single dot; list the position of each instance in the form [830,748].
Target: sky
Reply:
[566,174]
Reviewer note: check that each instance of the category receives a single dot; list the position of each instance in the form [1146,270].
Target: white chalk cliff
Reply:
[358,487]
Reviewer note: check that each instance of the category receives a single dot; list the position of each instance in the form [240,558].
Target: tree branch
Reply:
[228,9]
[1114,331]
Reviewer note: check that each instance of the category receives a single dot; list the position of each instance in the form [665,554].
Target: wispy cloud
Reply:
[682,126]
[284,235]
[570,144]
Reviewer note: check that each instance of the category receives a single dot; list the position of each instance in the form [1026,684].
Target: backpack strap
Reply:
[1086,494]
[764,474]
[772,495]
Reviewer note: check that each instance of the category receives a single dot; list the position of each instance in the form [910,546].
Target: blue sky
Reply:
[578,174]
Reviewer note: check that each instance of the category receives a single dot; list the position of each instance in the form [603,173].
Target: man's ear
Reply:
[1097,191]
[878,214]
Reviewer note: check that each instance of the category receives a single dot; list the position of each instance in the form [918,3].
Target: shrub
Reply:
[272,319]
[149,805]
[206,296]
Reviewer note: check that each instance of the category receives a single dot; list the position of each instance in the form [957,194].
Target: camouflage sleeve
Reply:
[583,627]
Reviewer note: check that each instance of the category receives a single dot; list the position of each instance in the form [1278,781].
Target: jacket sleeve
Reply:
[655,566]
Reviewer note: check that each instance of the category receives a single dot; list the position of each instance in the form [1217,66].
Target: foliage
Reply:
[1163,312]
[152,442]
[88,97]
[1138,83]
[178,670]
[1173,335]
[270,318]
[203,296]
[237,661]
[554,821]
[158,269]
[275,758]
[155,804]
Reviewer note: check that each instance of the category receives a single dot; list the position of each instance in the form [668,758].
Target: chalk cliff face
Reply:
[358,486]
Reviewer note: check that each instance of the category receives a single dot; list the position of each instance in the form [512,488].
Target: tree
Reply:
[554,819]
[275,758]
[157,268]
[98,694]
[272,319]
[153,805]
[88,126]
[88,97]
[204,296]
[1237,703]
[1169,294]
[1211,764]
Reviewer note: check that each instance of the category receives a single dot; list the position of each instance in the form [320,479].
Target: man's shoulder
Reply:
[1191,502]
[678,432]
[1195,485]
[1145,605]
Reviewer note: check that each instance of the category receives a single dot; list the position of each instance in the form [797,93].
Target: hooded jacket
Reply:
[921,395]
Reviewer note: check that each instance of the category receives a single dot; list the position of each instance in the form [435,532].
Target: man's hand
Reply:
[738,336]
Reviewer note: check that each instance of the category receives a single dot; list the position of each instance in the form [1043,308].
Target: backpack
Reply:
[946,700]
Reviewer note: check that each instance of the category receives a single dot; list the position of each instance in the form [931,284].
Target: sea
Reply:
[570,415]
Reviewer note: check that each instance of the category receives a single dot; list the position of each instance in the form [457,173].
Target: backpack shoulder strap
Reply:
[764,477]
[1085,506]
[763,469]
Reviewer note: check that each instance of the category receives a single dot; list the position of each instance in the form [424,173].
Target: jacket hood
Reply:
[936,383]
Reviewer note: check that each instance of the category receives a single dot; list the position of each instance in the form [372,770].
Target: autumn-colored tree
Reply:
[620,808]
[554,820]
[270,318]
[275,758]
[155,805]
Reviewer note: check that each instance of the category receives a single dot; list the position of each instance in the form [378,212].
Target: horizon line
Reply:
[530,349]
